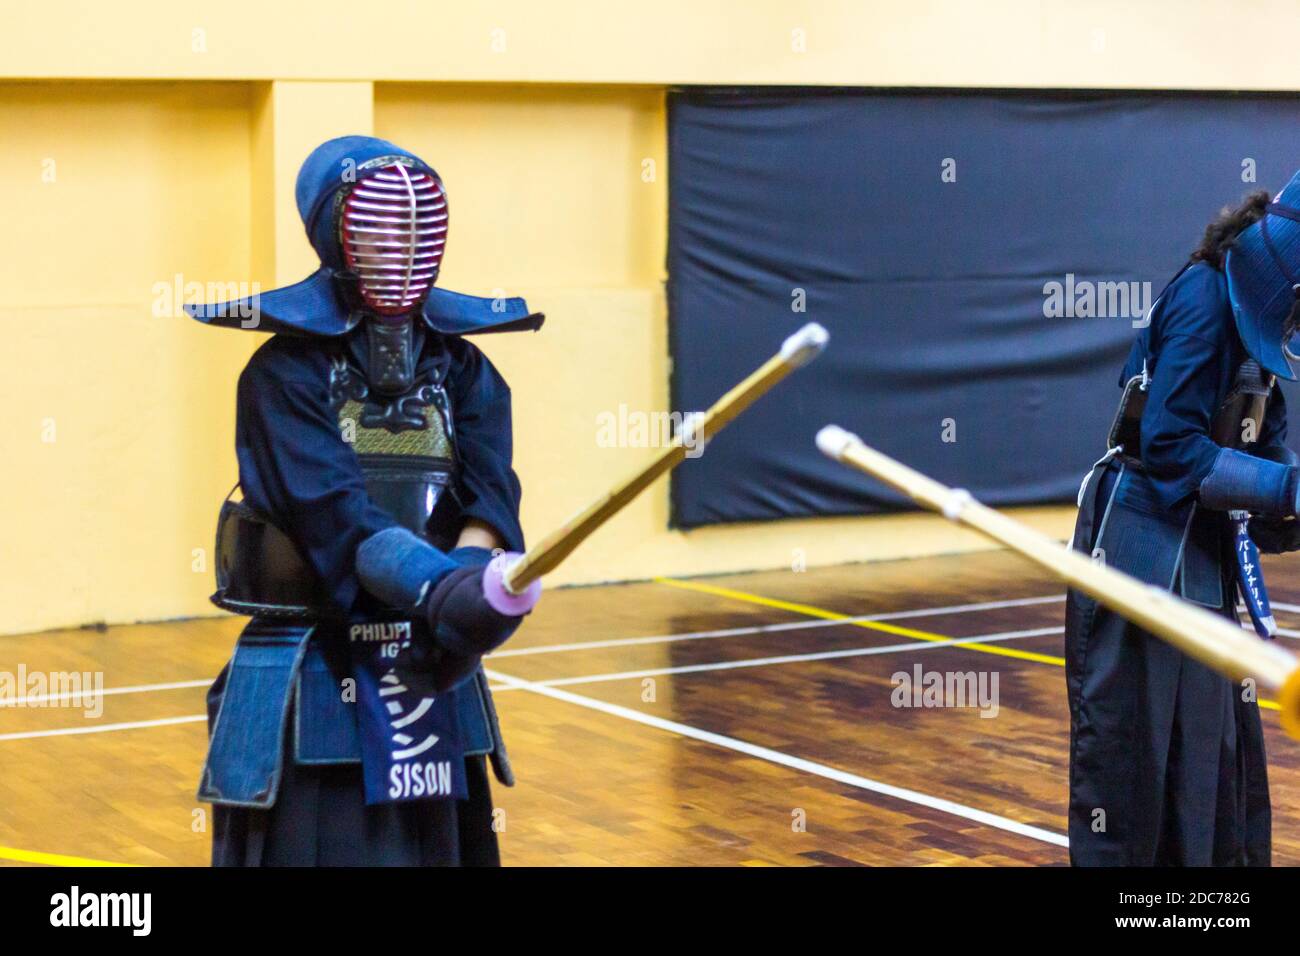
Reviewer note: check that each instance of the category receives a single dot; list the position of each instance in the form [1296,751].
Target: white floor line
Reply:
[786,760]
[1243,618]
[38,699]
[597,678]
[104,728]
[791,658]
[772,628]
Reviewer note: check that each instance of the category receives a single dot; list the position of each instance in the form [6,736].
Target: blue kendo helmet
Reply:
[1263,269]
[331,166]
[315,306]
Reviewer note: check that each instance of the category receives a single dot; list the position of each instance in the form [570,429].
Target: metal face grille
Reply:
[393,230]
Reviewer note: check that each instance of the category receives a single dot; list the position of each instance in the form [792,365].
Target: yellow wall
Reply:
[118,439]
[992,43]
[119,444]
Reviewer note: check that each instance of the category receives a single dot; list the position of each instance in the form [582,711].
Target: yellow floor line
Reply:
[821,612]
[811,611]
[51,859]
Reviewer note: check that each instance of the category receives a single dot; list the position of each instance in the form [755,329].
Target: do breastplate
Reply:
[1237,423]
[404,437]
[399,422]
[1240,419]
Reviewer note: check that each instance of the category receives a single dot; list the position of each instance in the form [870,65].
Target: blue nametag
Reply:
[410,739]
[1250,577]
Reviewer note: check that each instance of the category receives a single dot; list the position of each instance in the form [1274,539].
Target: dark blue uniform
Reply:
[1167,763]
[362,426]
[296,468]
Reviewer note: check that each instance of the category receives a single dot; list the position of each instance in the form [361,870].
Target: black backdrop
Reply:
[933,290]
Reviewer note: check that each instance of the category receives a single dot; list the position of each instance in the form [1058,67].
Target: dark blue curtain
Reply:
[926,231]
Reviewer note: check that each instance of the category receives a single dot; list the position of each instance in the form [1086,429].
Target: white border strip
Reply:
[694,733]
[785,760]
[772,628]
[1279,606]
[789,658]
[41,699]
[104,728]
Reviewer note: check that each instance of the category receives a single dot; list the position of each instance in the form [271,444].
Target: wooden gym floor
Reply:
[720,721]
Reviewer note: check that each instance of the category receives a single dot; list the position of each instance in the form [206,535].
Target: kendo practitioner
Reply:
[1167,763]
[353,724]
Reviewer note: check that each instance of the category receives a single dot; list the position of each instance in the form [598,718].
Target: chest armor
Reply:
[1240,418]
[405,442]
[397,418]
[1237,423]
[1181,550]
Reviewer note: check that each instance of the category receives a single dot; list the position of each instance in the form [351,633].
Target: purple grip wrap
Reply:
[494,588]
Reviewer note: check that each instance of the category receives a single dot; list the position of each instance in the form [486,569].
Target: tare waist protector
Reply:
[285,688]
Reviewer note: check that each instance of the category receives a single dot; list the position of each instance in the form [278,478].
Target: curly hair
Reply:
[1223,231]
